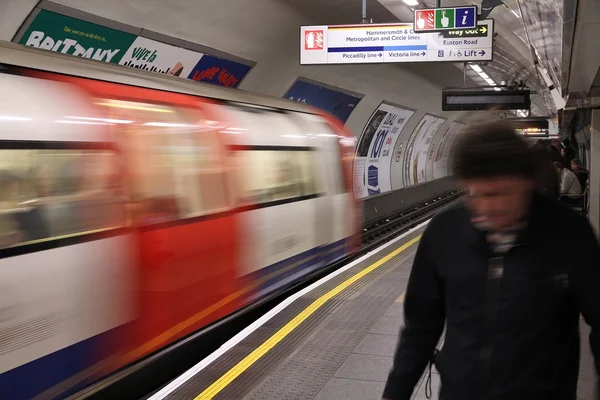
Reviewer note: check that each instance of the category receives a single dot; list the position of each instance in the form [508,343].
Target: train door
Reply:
[279,190]
[332,214]
[187,235]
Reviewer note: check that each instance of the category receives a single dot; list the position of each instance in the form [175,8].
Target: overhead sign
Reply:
[333,101]
[442,19]
[393,43]
[63,34]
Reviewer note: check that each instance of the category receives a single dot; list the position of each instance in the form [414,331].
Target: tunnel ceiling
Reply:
[525,29]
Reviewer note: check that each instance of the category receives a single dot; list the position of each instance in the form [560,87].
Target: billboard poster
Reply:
[416,151]
[219,71]
[63,34]
[333,101]
[376,149]
[66,35]
[442,153]
[153,56]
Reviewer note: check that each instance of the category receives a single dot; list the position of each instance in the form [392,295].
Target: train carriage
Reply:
[137,209]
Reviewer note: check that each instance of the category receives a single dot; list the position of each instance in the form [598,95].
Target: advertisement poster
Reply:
[334,102]
[442,153]
[219,71]
[61,34]
[376,148]
[153,56]
[416,151]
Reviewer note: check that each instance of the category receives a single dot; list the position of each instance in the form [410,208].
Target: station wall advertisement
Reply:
[333,101]
[415,161]
[67,35]
[375,150]
[442,152]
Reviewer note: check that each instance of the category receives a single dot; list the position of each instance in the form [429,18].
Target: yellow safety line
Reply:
[260,351]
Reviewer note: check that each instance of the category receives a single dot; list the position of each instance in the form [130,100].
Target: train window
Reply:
[46,194]
[276,175]
[175,171]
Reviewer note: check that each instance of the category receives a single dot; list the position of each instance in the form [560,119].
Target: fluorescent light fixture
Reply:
[411,2]
[491,82]
[134,107]
[64,121]
[167,125]
[515,13]
[110,121]
[497,89]
[476,68]
[7,118]
[484,76]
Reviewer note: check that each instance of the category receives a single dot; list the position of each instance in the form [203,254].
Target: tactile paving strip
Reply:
[299,365]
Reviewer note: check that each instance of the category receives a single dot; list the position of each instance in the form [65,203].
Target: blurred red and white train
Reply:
[136,209]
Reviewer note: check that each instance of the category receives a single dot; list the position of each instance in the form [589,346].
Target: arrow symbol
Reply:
[483,29]
[423,53]
[380,54]
[482,53]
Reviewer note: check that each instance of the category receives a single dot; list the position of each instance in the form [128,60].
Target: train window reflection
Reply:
[274,175]
[46,194]
[174,169]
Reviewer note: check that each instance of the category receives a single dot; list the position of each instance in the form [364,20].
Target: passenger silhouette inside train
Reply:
[581,173]
[570,189]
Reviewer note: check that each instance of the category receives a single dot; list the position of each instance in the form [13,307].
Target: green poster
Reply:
[444,18]
[59,33]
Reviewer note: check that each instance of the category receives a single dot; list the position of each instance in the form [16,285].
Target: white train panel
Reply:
[47,111]
[62,297]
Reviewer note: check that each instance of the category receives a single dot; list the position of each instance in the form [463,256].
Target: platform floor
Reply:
[341,348]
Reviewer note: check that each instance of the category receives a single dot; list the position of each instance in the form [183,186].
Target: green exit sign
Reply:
[444,19]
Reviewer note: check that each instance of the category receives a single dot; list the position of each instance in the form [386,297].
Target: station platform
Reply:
[333,340]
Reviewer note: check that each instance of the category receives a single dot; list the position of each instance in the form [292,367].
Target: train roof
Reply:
[44,60]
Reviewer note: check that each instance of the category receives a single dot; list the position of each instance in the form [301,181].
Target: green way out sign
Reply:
[62,34]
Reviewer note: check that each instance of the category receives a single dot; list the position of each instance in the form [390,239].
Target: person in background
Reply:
[581,173]
[490,271]
[569,185]
[548,181]
[568,152]
[555,151]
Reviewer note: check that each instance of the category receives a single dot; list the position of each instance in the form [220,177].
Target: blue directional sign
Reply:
[465,17]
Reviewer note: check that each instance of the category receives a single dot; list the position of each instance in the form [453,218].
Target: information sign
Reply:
[442,19]
[394,43]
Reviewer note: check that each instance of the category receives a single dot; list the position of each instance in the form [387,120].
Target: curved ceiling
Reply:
[524,29]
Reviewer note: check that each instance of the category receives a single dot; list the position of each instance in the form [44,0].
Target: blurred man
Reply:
[581,173]
[569,185]
[491,271]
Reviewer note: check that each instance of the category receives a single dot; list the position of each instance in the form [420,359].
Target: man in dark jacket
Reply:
[581,173]
[496,273]
[555,151]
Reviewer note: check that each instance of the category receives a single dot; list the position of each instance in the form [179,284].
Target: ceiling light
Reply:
[411,2]
[7,118]
[476,68]
[497,89]
[62,121]
[515,13]
[167,125]
[110,121]
[484,76]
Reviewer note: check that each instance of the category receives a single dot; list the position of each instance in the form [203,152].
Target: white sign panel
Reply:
[440,162]
[393,43]
[372,168]
[415,161]
[150,55]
